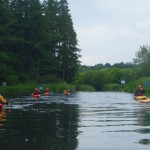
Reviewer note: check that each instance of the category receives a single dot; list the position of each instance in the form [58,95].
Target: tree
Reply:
[142,60]
[60,41]
[28,27]
[51,37]
[38,39]
[68,54]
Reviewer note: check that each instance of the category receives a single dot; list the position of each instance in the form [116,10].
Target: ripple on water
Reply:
[85,120]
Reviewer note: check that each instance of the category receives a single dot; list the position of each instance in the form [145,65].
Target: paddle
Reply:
[147,83]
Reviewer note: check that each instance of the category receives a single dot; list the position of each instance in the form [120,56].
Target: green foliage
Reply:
[142,61]
[87,88]
[100,66]
[112,87]
[37,39]
[99,78]
[27,88]
[132,86]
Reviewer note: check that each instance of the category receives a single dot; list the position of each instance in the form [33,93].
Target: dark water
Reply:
[82,121]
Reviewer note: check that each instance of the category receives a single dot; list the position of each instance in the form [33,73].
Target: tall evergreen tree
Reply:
[6,39]
[50,35]
[68,52]
[28,17]
[60,39]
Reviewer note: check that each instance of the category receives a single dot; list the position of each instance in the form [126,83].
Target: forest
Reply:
[38,43]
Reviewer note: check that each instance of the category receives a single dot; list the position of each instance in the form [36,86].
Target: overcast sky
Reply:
[110,31]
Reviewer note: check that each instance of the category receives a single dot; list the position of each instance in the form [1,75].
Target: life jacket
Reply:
[46,91]
[35,92]
[139,93]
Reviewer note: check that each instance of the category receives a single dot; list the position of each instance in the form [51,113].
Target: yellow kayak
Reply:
[140,97]
[144,100]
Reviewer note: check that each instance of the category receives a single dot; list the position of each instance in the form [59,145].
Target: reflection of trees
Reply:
[144,121]
[42,127]
[145,141]
[144,116]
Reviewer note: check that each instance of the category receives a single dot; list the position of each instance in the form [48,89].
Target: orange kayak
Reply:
[46,94]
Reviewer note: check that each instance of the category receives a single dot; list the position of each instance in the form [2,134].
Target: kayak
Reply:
[36,96]
[66,93]
[144,100]
[46,94]
[140,97]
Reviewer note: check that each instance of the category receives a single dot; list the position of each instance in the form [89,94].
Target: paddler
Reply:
[36,91]
[3,100]
[46,91]
[139,92]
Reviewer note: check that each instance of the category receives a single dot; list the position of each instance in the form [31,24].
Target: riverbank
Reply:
[27,88]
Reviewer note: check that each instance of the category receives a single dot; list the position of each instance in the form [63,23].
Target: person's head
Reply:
[139,86]
[36,89]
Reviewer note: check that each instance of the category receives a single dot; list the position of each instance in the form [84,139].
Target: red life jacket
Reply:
[139,93]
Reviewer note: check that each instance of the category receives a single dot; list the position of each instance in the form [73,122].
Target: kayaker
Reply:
[46,90]
[3,100]
[36,91]
[67,92]
[139,92]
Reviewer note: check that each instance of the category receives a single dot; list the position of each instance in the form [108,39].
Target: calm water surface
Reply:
[82,121]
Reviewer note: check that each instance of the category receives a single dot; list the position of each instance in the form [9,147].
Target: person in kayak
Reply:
[46,90]
[3,100]
[36,91]
[139,91]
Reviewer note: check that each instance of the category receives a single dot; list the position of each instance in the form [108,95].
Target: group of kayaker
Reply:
[36,92]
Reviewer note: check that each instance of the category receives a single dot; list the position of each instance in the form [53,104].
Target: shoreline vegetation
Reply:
[27,88]
[57,88]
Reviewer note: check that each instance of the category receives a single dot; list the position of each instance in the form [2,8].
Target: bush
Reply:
[112,87]
[85,88]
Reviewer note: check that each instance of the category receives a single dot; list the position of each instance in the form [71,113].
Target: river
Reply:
[81,121]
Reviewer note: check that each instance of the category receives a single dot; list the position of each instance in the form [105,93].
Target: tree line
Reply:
[109,77]
[84,68]
[37,39]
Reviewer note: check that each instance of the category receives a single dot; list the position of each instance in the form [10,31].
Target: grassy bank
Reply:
[27,88]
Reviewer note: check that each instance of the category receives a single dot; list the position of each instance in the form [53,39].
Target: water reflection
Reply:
[41,127]
[2,117]
[83,121]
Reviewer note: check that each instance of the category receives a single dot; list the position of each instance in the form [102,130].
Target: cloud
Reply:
[110,30]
